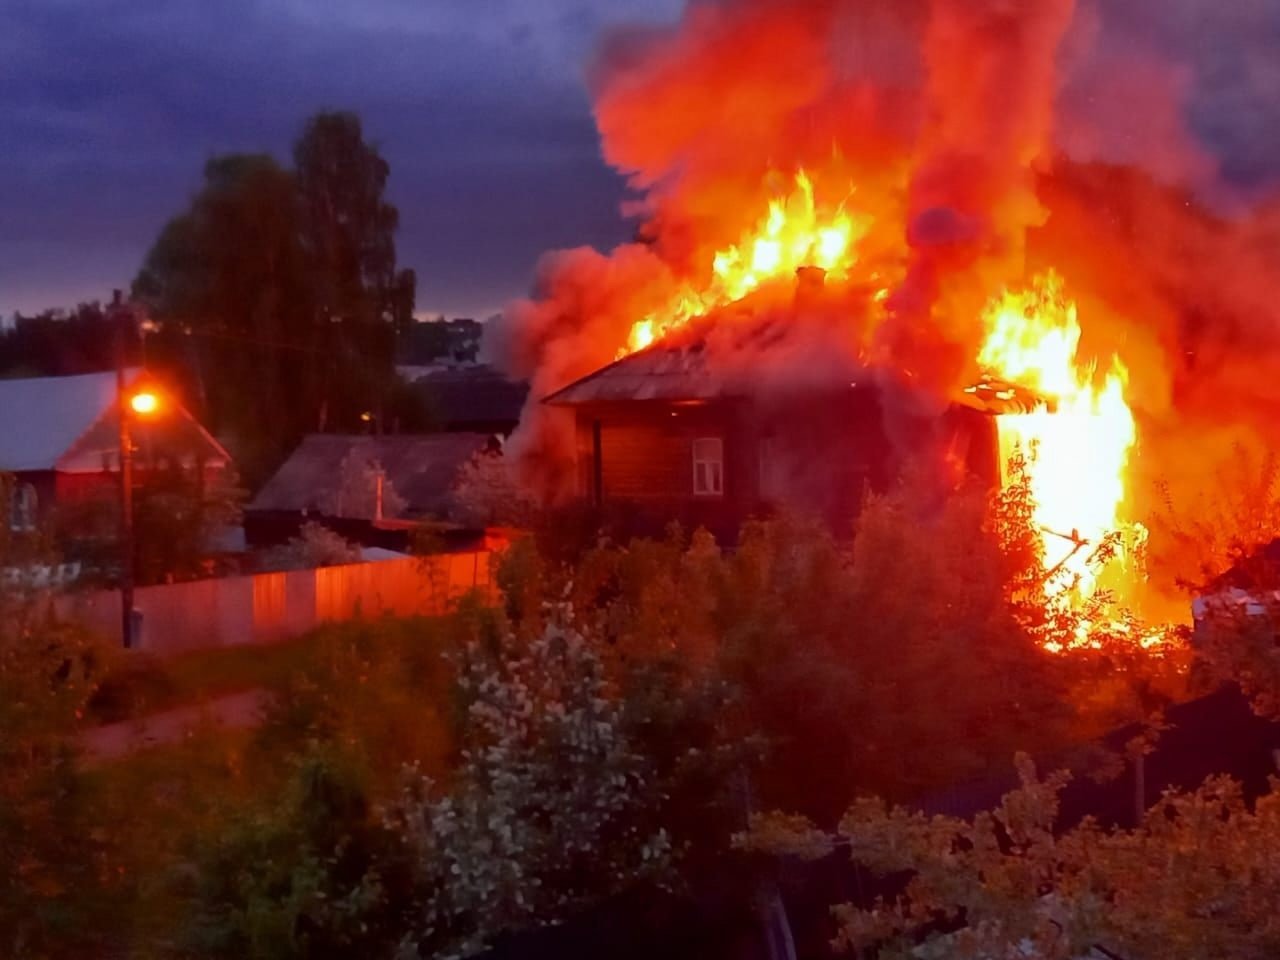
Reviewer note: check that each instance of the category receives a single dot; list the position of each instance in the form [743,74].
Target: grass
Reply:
[378,692]
[150,811]
[140,683]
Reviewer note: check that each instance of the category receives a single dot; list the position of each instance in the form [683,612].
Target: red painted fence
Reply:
[274,606]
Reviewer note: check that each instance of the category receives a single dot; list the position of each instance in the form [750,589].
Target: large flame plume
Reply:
[1078,439]
[795,233]
[981,211]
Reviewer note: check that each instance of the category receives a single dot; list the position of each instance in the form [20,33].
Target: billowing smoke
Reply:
[988,98]
[583,304]
[978,141]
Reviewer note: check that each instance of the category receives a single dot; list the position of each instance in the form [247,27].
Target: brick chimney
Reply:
[811,282]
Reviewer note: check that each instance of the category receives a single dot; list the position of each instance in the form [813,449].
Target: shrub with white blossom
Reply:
[488,493]
[551,807]
[314,546]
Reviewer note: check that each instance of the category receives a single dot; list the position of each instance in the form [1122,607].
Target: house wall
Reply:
[71,487]
[646,464]
[269,607]
[65,487]
[45,484]
[815,453]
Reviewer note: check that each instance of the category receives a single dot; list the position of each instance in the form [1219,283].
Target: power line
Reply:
[240,338]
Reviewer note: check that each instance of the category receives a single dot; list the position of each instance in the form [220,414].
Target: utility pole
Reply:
[775,926]
[126,481]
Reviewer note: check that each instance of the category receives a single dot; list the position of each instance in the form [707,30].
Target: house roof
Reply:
[69,424]
[420,468]
[472,394]
[44,416]
[688,365]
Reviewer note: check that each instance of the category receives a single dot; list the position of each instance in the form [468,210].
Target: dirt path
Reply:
[106,743]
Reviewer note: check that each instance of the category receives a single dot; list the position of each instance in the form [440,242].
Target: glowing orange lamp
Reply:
[144,402]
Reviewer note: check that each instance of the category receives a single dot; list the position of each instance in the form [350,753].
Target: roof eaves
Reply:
[565,396]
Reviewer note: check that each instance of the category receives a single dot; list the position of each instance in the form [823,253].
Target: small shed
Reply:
[358,483]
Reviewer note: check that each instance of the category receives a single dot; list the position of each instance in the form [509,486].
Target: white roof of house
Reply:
[41,418]
[70,424]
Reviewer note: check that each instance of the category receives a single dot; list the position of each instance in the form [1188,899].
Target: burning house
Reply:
[694,427]
[1004,276]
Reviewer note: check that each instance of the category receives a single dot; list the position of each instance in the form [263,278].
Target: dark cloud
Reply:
[110,107]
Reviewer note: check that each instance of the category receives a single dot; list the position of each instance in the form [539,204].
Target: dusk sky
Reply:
[109,109]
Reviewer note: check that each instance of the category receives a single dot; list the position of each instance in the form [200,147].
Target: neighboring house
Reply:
[1250,589]
[60,439]
[722,421]
[471,398]
[369,488]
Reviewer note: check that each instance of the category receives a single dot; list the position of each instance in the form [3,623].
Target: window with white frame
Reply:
[708,467]
[22,508]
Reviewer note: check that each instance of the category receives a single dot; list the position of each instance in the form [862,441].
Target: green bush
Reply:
[313,874]
[137,683]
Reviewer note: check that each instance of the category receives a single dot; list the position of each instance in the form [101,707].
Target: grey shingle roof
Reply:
[421,469]
[726,356]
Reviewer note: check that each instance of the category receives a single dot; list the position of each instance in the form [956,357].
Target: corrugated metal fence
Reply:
[273,606]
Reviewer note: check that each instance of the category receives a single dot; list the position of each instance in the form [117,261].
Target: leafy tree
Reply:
[356,494]
[230,273]
[347,234]
[550,808]
[912,671]
[488,493]
[277,291]
[1236,513]
[176,517]
[348,228]
[1236,641]
[314,546]
[1198,878]
[57,343]
[313,874]
[47,675]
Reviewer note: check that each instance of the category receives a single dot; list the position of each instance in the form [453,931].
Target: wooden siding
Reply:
[819,453]
[643,462]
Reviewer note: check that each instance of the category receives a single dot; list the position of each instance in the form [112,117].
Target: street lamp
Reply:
[130,404]
[144,402]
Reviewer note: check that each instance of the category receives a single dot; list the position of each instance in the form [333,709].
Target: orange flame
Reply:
[1077,441]
[796,232]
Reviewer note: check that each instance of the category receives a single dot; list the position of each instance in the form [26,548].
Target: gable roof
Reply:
[69,424]
[421,469]
[682,366]
[43,417]
[689,365]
